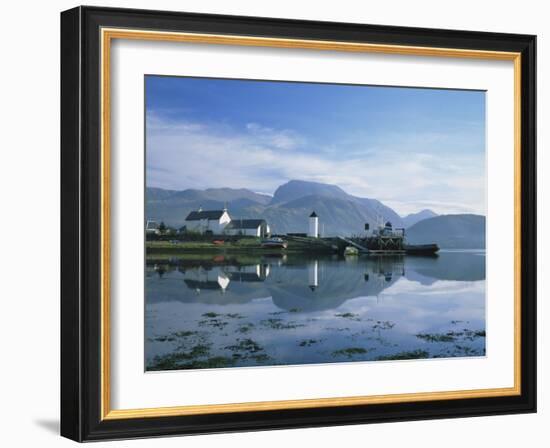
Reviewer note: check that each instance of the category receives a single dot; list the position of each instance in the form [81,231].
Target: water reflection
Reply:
[327,281]
[331,308]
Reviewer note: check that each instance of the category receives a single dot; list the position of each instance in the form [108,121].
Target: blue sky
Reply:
[410,148]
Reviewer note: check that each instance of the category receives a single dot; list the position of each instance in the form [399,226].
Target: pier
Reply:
[354,244]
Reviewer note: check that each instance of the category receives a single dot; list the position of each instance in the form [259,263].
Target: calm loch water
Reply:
[233,311]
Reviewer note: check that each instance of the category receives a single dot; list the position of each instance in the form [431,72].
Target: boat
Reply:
[421,249]
[350,250]
[278,243]
[387,240]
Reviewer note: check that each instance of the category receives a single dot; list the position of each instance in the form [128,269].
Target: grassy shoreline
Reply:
[241,246]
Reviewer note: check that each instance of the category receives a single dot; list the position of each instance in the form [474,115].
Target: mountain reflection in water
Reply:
[247,311]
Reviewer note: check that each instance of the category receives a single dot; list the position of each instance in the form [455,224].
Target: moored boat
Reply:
[421,249]
[275,243]
[350,250]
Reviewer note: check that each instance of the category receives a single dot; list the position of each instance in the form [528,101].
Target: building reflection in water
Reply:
[248,273]
[308,309]
[291,283]
[313,274]
[207,280]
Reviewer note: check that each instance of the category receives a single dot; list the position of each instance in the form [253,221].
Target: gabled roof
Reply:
[313,215]
[245,277]
[197,284]
[204,214]
[245,223]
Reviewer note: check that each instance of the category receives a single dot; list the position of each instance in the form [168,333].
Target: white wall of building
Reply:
[216,226]
[313,226]
[246,232]
[221,223]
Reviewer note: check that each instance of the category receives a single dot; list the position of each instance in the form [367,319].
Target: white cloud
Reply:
[280,139]
[196,155]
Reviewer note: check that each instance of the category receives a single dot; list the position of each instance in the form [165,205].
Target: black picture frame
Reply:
[81,224]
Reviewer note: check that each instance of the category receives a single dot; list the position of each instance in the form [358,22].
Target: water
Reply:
[233,311]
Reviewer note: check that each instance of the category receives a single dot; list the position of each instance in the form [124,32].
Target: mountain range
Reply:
[290,206]
[413,218]
[465,231]
[287,211]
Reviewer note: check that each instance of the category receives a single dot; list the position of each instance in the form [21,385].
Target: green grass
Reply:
[165,249]
[202,246]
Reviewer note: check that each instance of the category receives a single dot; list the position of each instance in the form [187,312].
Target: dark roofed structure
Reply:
[246,223]
[204,214]
[313,215]
[245,277]
[205,284]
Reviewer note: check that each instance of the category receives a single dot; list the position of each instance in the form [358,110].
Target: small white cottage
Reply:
[152,227]
[202,221]
[248,227]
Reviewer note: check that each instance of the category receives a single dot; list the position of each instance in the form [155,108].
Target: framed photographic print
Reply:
[273,223]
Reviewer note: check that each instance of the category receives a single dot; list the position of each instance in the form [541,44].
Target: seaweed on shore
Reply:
[452,336]
[350,316]
[185,333]
[412,354]
[437,337]
[178,360]
[209,363]
[245,345]
[245,328]
[350,352]
[248,349]
[309,342]
[280,324]
[213,322]
[383,325]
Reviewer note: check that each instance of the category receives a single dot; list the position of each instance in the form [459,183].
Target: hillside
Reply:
[450,231]
[287,211]
[413,218]
[296,189]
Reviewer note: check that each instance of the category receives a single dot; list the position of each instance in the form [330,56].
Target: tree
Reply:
[162,227]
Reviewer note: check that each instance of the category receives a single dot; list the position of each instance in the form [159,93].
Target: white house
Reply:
[152,227]
[202,221]
[249,227]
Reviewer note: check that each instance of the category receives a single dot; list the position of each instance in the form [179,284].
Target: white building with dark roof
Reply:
[248,227]
[152,227]
[313,225]
[202,221]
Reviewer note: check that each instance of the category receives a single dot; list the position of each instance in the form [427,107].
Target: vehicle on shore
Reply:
[274,242]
